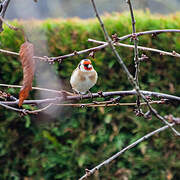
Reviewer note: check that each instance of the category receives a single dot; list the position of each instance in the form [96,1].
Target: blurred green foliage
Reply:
[61,147]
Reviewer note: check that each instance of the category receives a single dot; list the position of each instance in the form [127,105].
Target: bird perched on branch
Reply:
[83,77]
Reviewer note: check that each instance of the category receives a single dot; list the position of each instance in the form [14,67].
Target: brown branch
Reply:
[85,105]
[92,171]
[106,104]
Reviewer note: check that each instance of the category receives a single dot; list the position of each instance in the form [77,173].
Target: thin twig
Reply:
[173,53]
[105,104]
[59,58]
[136,53]
[153,32]
[92,171]
[9,25]
[41,89]
[25,111]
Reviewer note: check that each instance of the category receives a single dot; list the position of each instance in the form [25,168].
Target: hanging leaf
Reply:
[28,65]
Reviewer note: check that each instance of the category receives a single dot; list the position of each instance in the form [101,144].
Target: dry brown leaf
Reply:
[28,64]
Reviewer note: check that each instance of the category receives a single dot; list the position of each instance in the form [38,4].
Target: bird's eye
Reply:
[86,65]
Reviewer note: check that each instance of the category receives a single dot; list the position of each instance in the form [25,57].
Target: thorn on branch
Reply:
[23,113]
[173,119]
[88,172]
[59,61]
[148,115]
[143,58]
[92,54]
[139,112]
[154,35]
[47,59]
[83,106]
[174,53]
[100,93]
[162,54]
[75,53]
[164,101]
[117,99]
[134,37]
[115,38]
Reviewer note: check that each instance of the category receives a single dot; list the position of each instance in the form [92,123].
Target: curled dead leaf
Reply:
[28,64]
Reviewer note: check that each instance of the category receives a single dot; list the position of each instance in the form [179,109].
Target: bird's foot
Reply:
[77,93]
[89,93]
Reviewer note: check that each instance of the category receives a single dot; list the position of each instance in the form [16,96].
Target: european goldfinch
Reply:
[83,77]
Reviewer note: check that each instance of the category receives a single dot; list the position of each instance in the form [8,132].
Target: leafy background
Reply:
[62,143]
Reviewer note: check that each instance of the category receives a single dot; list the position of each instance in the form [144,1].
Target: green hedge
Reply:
[63,145]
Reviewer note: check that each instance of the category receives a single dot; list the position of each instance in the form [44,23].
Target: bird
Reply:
[83,77]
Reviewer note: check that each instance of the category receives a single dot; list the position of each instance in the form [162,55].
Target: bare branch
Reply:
[136,53]
[97,95]
[41,89]
[4,6]
[107,104]
[92,171]
[175,54]
[152,32]
[25,111]
[59,58]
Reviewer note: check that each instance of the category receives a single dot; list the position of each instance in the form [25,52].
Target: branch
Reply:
[92,171]
[86,105]
[4,6]
[134,37]
[25,111]
[136,53]
[59,58]
[153,32]
[56,100]
[107,104]
[175,54]
[41,89]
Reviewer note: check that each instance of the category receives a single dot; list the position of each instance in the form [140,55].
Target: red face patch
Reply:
[86,64]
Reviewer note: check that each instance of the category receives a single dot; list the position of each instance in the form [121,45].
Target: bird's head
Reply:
[85,65]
